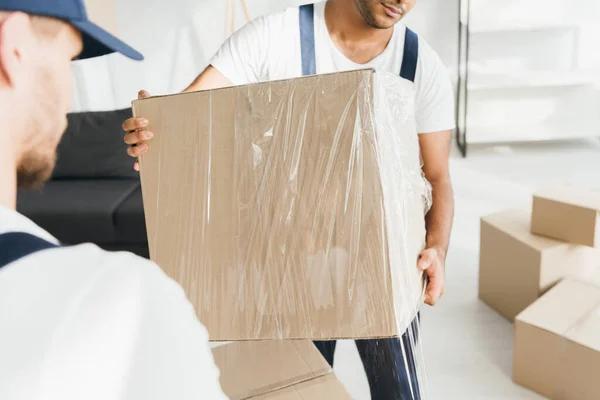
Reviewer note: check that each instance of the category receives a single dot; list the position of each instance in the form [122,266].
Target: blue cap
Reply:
[96,41]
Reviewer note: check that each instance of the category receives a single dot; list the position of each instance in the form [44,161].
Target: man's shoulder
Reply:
[424,47]
[429,63]
[80,276]
[123,274]
[268,28]
[99,256]
[427,55]
[117,262]
[88,262]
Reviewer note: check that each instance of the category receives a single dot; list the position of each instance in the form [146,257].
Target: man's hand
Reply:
[432,262]
[137,135]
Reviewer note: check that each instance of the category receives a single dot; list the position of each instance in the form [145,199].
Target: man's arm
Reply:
[209,79]
[176,342]
[435,150]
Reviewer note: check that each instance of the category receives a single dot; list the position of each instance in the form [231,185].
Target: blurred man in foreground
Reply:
[76,322]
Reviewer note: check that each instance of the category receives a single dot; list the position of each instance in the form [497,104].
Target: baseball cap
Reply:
[96,41]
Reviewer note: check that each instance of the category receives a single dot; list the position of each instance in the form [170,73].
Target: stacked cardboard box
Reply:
[523,255]
[557,343]
[542,269]
[569,214]
[557,338]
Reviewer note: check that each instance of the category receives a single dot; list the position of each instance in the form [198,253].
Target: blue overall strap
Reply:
[410,56]
[307,39]
[16,245]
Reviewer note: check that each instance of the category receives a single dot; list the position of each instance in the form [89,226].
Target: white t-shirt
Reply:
[268,48]
[82,323]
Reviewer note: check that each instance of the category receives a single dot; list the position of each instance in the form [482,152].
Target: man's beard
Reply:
[35,169]
[367,15]
[42,132]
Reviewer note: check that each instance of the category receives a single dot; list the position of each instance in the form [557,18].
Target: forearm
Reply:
[438,220]
[209,79]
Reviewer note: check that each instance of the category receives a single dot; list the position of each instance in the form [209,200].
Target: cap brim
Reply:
[98,42]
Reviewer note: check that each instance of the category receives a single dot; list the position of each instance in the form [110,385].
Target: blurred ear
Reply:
[15,36]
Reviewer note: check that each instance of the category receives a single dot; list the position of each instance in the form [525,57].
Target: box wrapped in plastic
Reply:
[291,209]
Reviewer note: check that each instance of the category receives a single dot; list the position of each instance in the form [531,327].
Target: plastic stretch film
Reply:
[293,209]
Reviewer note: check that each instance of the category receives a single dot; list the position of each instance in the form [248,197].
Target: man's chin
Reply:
[384,23]
[31,181]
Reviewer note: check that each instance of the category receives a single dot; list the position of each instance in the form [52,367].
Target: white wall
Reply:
[178,37]
[535,70]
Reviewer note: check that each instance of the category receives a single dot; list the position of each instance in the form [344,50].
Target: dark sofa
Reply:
[94,194]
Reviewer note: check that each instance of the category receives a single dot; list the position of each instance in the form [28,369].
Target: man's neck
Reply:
[8,178]
[345,23]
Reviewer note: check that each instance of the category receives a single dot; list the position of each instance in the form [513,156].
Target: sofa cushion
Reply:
[130,224]
[93,147]
[77,211]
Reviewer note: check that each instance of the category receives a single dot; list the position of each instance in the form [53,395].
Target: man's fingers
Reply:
[138,137]
[132,138]
[429,300]
[137,134]
[432,296]
[426,259]
[435,288]
[137,151]
[434,268]
[133,124]
[423,263]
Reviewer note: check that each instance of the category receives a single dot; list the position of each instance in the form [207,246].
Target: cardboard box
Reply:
[290,209]
[557,343]
[276,370]
[516,267]
[567,213]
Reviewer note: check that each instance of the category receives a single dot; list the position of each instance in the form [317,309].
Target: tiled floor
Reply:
[467,346]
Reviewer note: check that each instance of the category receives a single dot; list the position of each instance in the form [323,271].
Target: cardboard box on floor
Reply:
[290,209]
[567,213]
[557,343]
[516,267]
[276,370]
